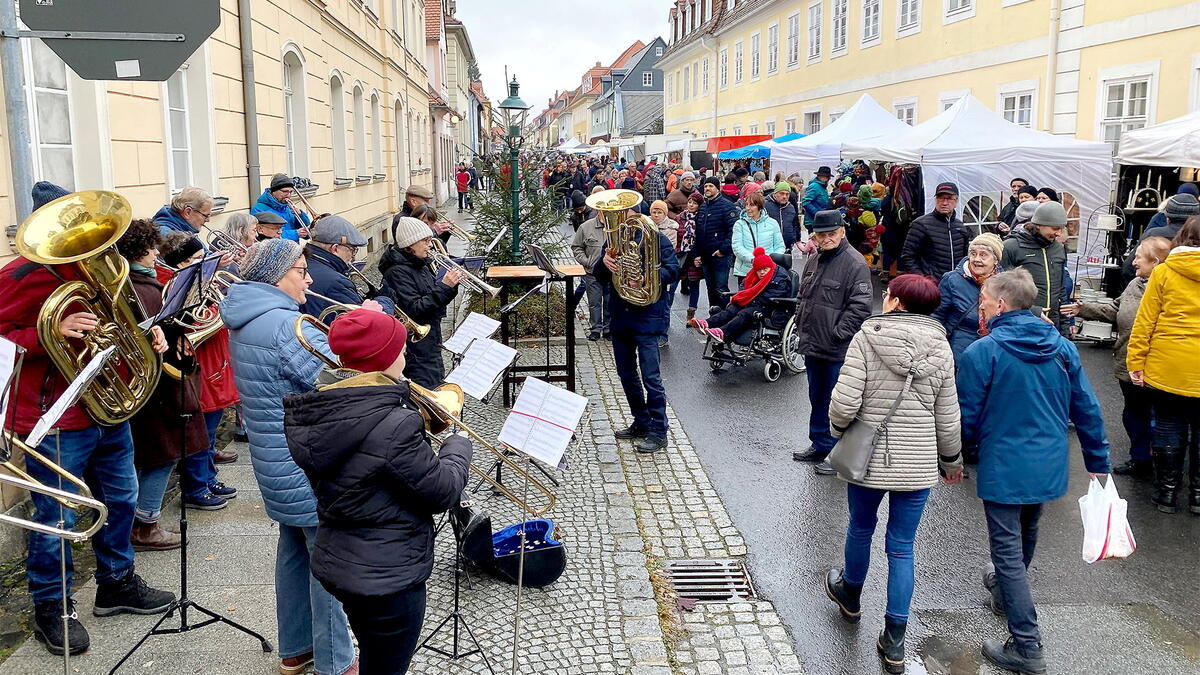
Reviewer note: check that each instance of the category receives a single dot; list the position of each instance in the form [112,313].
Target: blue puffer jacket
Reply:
[714,226]
[816,198]
[959,311]
[268,364]
[168,220]
[1017,388]
[268,203]
[652,319]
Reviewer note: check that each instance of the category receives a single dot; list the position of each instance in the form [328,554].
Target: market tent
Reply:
[864,119]
[717,144]
[1173,143]
[569,145]
[757,150]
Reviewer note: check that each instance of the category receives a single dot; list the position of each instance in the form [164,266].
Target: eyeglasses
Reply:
[303,271]
[205,216]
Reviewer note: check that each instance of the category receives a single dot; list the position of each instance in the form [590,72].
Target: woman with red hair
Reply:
[898,368]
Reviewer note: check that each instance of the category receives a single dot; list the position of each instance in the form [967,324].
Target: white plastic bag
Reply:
[1106,532]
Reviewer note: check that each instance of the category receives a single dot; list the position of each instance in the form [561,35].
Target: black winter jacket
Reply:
[835,299]
[788,219]
[654,319]
[329,279]
[1046,262]
[418,293]
[934,245]
[361,443]
[714,226]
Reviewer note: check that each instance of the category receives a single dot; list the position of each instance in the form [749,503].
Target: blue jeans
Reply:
[199,470]
[716,278]
[634,353]
[904,514]
[152,485]
[598,301]
[103,457]
[310,619]
[1012,534]
[822,375]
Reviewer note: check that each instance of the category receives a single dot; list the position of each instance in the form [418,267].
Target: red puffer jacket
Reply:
[217,390]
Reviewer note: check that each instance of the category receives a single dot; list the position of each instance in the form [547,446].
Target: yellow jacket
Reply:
[1165,342]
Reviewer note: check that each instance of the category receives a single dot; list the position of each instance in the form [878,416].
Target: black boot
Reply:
[1168,470]
[844,595]
[1007,655]
[130,595]
[891,645]
[48,628]
[1194,476]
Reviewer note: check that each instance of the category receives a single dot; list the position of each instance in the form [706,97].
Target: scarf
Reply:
[750,291]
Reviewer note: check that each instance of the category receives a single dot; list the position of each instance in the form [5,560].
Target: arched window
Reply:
[376,136]
[295,117]
[360,133]
[337,112]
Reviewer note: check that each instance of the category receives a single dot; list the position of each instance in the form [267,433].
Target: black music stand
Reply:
[176,303]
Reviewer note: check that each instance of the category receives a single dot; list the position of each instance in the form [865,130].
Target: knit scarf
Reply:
[750,290]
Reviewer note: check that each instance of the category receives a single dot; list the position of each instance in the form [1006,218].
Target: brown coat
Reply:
[156,426]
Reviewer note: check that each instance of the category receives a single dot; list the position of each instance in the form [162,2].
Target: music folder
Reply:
[481,367]
[186,289]
[543,420]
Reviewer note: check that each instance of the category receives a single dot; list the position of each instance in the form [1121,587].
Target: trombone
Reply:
[442,260]
[69,500]
[298,196]
[441,408]
[418,331]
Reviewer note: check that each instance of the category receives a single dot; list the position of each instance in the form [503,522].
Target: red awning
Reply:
[722,143]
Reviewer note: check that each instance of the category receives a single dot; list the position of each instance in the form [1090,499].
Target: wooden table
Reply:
[550,372]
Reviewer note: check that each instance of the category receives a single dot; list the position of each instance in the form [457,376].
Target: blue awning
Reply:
[758,150]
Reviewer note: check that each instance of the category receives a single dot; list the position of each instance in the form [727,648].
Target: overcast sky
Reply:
[548,44]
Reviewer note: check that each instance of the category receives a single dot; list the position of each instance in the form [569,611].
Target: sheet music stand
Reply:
[550,372]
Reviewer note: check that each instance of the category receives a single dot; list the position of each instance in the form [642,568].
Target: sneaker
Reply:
[701,325]
[130,595]
[650,444]
[219,489]
[294,665]
[206,502]
[1007,655]
[824,468]
[48,628]
[631,431]
[593,336]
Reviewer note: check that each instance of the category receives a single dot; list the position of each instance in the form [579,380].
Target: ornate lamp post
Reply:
[514,111]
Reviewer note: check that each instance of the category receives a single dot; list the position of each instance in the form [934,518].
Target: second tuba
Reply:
[633,240]
[81,230]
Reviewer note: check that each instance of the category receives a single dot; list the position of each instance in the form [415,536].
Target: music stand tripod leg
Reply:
[455,617]
[62,566]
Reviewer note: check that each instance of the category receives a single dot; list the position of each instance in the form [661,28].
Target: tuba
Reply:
[637,279]
[81,230]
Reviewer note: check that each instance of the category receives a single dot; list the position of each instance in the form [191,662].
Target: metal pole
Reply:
[514,168]
[20,153]
[253,167]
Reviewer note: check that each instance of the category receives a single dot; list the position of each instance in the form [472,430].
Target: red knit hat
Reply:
[366,340]
[761,261]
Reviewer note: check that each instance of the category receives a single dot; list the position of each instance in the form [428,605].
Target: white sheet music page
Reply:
[8,363]
[475,327]
[68,398]
[543,421]
[481,367]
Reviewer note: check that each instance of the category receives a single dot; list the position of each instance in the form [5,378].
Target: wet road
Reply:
[745,429]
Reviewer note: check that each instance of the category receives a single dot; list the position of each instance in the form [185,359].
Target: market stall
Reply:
[864,119]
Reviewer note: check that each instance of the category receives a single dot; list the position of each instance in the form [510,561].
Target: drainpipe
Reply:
[711,43]
[1052,63]
[253,168]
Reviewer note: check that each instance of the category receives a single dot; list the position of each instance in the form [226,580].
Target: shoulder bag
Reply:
[852,454]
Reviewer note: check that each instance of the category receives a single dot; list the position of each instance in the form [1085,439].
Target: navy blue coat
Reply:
[1017,388]
[780,286]
[959,311]
[168,220]
[329,279]
[788,219]
[649,320]
[714,226]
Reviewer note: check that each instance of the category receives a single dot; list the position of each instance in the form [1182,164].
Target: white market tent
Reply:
[980,151]
[864,119]
[569,145]
[1173,143]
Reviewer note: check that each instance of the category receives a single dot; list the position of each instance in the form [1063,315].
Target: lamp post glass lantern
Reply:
[514,111]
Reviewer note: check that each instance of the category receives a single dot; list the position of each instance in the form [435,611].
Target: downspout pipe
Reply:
[711,43]
[1052,64]
[20,154]
[249,102]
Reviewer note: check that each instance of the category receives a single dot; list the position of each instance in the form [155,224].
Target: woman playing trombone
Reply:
[409,277]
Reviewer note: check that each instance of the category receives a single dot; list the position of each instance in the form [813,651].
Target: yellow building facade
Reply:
[342,99]
[1087,68]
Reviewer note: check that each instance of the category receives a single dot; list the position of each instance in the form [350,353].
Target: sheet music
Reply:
[481,367]
[543,421]
[8,364]
[475,327]
[68,398]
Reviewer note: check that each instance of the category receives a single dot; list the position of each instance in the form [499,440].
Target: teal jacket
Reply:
[749,234]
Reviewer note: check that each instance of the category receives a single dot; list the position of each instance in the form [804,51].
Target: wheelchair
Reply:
[774,336]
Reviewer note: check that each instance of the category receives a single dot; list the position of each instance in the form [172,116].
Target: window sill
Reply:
[219,204]
[342,182]
[873,42]
[839,53]
[308,190]
[813,59]
[908,31]
[362,180]
[379,176]
[958,15]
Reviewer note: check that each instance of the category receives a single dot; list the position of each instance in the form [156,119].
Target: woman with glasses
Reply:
[269,363]
[410,279]
[330,255]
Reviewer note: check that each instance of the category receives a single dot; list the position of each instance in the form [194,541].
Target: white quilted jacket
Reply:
[925,427]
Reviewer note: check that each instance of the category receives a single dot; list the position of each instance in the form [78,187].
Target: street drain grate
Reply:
[709,580]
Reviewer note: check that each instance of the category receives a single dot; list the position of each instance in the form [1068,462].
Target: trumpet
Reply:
[224,242]
[441,408]
[442,260]
[69,500]
[454,228]
[418,331]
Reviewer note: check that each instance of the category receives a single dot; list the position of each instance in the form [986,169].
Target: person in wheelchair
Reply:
[765,281]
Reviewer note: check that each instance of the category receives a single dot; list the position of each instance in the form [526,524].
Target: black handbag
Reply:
[851,456]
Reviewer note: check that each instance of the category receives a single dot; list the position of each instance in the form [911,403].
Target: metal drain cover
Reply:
[709,580]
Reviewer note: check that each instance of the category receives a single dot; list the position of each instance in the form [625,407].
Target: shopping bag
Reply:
[1106,532]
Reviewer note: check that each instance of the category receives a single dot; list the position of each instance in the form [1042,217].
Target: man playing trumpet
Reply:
[330,254]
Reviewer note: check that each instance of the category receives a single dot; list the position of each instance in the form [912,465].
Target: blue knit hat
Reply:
[45,192]
[268,260]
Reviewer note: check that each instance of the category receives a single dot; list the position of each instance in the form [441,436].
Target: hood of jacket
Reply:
[248,300]
[169,218]
[1025,336]
[341,415]
[393,256]
[270,202]
[1185,260]
[905,341]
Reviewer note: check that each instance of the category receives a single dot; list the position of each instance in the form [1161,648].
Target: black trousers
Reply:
[387,628]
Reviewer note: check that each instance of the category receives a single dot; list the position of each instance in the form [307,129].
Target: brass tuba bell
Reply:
[633,240]
[81,230]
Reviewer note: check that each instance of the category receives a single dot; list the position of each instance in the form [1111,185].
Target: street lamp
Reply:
[514,111]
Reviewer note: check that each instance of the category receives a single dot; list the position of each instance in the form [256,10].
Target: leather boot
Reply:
[1167,472]
[844,595]
[151,537]
[1194,475]
[891,645]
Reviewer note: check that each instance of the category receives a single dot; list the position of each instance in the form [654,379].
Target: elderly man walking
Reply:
[937,240]
[1017,387]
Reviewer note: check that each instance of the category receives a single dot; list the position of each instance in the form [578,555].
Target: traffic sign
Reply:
[122,40]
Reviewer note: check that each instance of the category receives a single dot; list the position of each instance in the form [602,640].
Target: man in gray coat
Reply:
[587,246]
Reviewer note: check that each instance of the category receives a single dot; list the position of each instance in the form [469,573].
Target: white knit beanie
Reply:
[410,230]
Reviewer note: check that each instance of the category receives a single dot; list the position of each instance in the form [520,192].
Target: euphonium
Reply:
[81,229]
[204,320]
[633,240]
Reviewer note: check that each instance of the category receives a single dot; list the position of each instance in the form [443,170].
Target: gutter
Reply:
[249,102]
[708,40]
